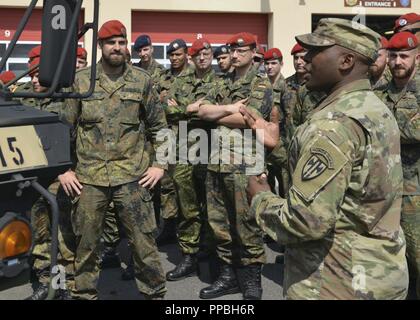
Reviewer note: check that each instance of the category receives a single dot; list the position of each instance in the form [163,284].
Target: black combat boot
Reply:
[225,284]
[41,293]
[188,267]
[168,233]
[64,294]
[109,258]
[250,281]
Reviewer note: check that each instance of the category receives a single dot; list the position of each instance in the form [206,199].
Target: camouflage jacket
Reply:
[111,126]
[292,82]
[306,101]
[167,78]
[186,90]
[405,104]
[383,82]
[259,91]
[341,218]
[155,70]
[279,90]
[45,104]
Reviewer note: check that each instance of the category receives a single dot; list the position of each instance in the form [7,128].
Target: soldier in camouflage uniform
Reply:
[177,52]
[112,165]
[239,243]
[273,62]
[403,98]
[40,212]
[298,101]
[144,48]
[340,219]
[224,60]
[379,71]
[188,178]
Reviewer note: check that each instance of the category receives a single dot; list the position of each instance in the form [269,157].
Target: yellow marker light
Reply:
[15,239]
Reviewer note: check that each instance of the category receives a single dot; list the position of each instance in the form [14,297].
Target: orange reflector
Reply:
[15,239]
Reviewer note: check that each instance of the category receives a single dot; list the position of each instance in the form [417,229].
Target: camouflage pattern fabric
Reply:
[405,104]
[111,155]
[340,221]
[345,33]
[155,70]
[282,176]
[41,224]
[135,211]
[238,239]
[189,178]
[306,101]
[110,140]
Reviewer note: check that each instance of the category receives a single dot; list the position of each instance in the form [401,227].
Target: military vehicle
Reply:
[34,144]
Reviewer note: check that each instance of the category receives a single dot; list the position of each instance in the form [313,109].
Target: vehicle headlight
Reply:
[15,239]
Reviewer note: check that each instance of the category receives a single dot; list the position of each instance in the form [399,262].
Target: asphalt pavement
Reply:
[111,287]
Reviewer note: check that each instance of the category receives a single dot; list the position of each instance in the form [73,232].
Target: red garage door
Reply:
[163,27]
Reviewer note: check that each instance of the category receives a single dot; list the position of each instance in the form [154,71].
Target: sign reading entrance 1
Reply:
[378,3]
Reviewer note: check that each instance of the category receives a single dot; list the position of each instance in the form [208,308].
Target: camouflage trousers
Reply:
[111,236]
[410,222]
[189,185]
[238,238]
[41,225]
[134,208]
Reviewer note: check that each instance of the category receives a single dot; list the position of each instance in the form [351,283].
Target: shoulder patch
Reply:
[317,166]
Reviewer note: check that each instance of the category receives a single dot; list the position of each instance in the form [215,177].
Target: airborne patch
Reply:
[316,167]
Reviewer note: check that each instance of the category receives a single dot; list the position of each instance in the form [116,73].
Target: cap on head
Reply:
[403,41]
[273,53]
[296,49]
[199,45]
[7,76]
[32,64]
[242,39]
[112,28]
[406,19]
[35,52]
[142,41]
[221,50]
[345,33]
[81,53]
[175,45]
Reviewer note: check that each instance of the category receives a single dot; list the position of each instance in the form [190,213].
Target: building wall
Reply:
[287,18]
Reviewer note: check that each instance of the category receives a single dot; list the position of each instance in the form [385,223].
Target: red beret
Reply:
[384,43]
[260,49]
[403,41]
[7,76]
[297,48]
[273,53]
[81,53]
[112,28]
[35,52]
[407,19]
[32,64]
[198,45]
[242,39]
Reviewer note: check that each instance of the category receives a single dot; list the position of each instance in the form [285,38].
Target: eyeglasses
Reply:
[240,51]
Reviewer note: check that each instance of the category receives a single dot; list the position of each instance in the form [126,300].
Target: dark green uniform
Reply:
[238,238]
[189,178]
[111,158]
